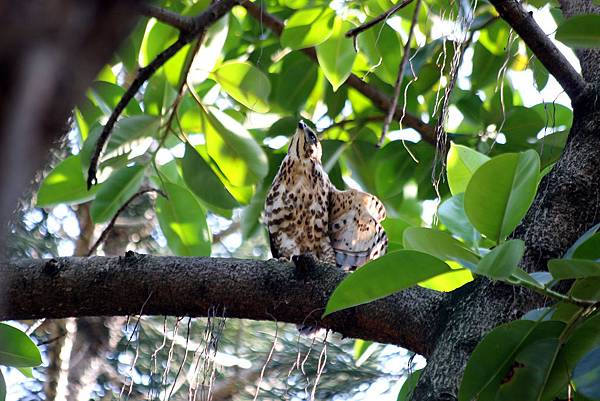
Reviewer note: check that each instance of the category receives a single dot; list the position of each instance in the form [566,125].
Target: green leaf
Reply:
[563,269]
[65,184]
[384,276]
[522,123]
[461,164]
[183,222]
[125,132]
[27,372]
[245,83]
[363,350]
[2,387]
[17,349]
[493,357]
[394,228]
[157,37]
[336,55]
[382,47]
[409,385]
[452,214]
[529,372]
[209,53]
[308,27]
[581,240]
[580,31]
[584,339]
[502,261]
[115,191]
[450,281]
[295,82]
[107,96]
[586,375]
[485,66]
[500,192]
[235,151]
[205,184]
[439,244]
[590,249]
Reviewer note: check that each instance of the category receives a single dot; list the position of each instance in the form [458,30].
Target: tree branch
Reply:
[112,221]
[251,289]
[379,99]
[181,22]
[199,23]
[555,62]
[378,19]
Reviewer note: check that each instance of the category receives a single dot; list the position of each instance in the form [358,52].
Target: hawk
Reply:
[305,213]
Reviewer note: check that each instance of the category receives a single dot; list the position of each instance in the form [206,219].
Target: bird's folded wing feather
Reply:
[354,230]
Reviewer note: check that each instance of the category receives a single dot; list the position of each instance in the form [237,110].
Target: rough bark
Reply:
[251,289]
[565,206]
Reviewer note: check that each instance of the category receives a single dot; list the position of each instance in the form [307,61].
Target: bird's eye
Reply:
[312,136]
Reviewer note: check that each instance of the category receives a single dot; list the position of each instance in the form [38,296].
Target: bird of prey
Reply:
[306,214]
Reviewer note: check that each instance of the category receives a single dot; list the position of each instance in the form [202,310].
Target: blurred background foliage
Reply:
[210,128]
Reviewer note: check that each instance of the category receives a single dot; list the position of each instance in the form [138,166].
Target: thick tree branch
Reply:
[379,99]
[522,22]
[251,289]
[199,24]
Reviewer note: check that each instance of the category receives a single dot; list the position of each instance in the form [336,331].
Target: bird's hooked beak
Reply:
[309,135]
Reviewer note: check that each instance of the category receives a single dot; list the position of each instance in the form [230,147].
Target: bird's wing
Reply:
[354,230]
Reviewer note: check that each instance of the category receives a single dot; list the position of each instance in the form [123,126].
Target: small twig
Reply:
[111,224]
[401,68]
[181,22]
[233,227]
[143,75]
[200,22]
[378,19]
[359,120]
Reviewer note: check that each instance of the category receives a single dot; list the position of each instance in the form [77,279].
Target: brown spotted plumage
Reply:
[296,207]
[305,213]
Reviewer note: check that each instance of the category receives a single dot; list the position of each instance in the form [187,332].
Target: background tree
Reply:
[192,111]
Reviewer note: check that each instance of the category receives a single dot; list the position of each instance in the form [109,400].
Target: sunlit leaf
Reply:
[210,51]
[183,221]
[336,55]
[307,27]
[384,276]
[65,184]
[115,191]
[234,150]
[201,179]
[107,96]
[500,192]
[245,83]
[461,163]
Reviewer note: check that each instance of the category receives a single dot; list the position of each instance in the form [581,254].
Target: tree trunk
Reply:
[566,205]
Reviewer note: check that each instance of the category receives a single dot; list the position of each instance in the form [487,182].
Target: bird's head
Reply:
[305,145]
